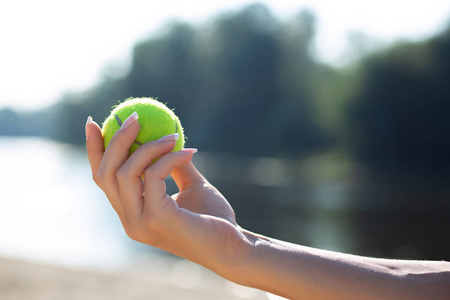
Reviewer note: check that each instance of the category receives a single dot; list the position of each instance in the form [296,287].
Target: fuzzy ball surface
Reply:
[155,119]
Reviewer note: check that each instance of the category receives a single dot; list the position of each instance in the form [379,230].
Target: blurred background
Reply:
[324,123]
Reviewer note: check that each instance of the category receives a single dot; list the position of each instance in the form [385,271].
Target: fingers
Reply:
[186,176]
[94,146]
[129,175]
[118,149]
[144,155]
[113,157]
[156,199]
[120,176]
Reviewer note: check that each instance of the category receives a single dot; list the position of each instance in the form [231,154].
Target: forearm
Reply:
[299,272]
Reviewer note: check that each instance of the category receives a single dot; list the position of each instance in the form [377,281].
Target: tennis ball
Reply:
[155,119]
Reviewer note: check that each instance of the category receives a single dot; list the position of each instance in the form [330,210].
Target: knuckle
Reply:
[104,175]
[101,176]
[149,173]
[122,174]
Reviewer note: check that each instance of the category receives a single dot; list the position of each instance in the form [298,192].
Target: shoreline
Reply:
[172,279]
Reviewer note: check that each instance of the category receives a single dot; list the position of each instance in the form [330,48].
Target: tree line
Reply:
[247,83]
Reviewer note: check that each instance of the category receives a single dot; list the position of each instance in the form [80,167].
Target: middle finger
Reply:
[130,173]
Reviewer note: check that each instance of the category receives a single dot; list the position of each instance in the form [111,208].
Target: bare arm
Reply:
[199,224]
[299,272]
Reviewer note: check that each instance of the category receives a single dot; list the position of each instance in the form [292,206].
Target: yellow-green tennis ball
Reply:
[155,119]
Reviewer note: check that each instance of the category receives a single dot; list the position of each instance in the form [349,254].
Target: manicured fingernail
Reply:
[88,122]
[189,150]
[130,120]
[170,138]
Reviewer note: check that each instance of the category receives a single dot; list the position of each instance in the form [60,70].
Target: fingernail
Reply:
[170,138]
[189,150]
[130,120]
[88,122]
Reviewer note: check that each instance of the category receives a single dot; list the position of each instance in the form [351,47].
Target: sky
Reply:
[52,47]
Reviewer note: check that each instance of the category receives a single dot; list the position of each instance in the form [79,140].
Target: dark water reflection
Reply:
[322,202]
[380,215]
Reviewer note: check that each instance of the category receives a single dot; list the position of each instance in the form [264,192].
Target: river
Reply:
[51,210]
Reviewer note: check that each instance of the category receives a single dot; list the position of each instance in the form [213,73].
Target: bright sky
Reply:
[49,47]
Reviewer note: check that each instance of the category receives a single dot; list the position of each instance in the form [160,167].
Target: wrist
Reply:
[268,265]
[241,265]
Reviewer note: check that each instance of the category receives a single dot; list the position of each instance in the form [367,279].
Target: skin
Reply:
[199,224]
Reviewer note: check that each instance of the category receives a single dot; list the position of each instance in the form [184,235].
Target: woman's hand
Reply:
[197,223]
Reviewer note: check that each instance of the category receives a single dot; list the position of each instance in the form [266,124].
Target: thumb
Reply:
[186,176]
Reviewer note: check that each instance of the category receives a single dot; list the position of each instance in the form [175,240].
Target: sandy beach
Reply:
[173,279]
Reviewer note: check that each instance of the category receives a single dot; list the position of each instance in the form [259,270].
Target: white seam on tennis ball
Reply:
[119,121]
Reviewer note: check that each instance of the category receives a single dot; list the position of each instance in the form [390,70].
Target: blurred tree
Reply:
[262,95]
[240,84]
[399,117]
[67,118]
[298,76]
[17,123]
[236,84]
[246,58]
[11,123]
[166,68]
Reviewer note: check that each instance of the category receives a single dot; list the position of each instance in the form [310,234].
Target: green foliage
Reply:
[399,117]
[13,123]
[259,109]
[246,83]
[242,84]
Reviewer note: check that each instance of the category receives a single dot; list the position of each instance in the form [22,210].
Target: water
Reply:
[328,202]
[50,209]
